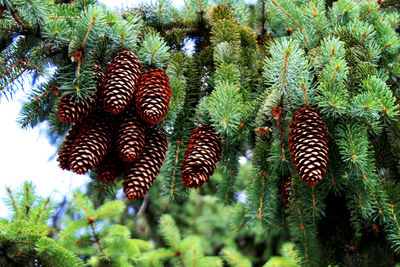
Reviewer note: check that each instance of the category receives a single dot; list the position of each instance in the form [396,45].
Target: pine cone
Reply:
[141,174]
[75,110]
[153,95]
[121,78]
[64,154]
[202,153]
[110,168]
[99,76]
[95,139]
[131,137]
[284,190]
[308,143]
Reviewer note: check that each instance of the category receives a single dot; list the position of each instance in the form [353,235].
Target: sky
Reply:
[27,155]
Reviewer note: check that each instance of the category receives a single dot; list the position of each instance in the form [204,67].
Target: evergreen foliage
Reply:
[24,237]
[251,69]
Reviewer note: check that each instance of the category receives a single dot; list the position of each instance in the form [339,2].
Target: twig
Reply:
[144,205]
[10,68]
[17,19]
[95,235]
[386,4]
[14,204]
[40,211]
[289,15]
[178,148]
[10,30]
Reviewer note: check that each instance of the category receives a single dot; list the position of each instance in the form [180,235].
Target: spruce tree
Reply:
[306,90]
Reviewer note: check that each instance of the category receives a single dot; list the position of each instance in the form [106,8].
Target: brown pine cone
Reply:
[131,137]
[308,143]
[153,95]
[141,174]
[94,142]
[202,153]
[71,109]
[121,78]
[64,154]
[284,190]
[110,168]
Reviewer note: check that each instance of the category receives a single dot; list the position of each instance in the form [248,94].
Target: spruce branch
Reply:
[11,30]
[388,3]
[13,203]
[17,19]
[176,164]
[288,15]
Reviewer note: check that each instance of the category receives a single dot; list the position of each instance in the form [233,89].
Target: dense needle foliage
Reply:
[250,68]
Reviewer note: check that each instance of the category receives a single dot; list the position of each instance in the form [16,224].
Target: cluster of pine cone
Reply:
[113,132]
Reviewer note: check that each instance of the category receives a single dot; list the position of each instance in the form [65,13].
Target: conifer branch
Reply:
[17,19]
[176,164]
[41,210]
[95,235]
[33,65]
[263,175]
[394,217]
[289,15]
[190,9]
[11,30]
[144,205]
[10,68]
[92,22]
[27,196]
[366,13]
[16,76]
[229,187]
[13,203]
[388,4]
[302,226]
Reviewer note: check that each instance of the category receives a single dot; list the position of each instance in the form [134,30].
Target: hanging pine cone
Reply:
[308,143]
[95,139]
[141,174]
[110,168]
[284,190]
[131,137]
[153,95]
[71,109]
[202,153]
[64,154]
[99,75]
[120,80]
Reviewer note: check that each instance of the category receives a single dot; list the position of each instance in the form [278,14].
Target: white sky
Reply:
[27,155]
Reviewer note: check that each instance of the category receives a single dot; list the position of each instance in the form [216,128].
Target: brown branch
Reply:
[17,19]
[10,68]
[10,30]
[304,92]
[289,15]
[263,174]
[285,67]
[95,235]
[386,4]
[33,65]
[171,189]
[13,203]
[14,78]
[88,32]
[40,211]
[63,17]
[144,205]
[366,13]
